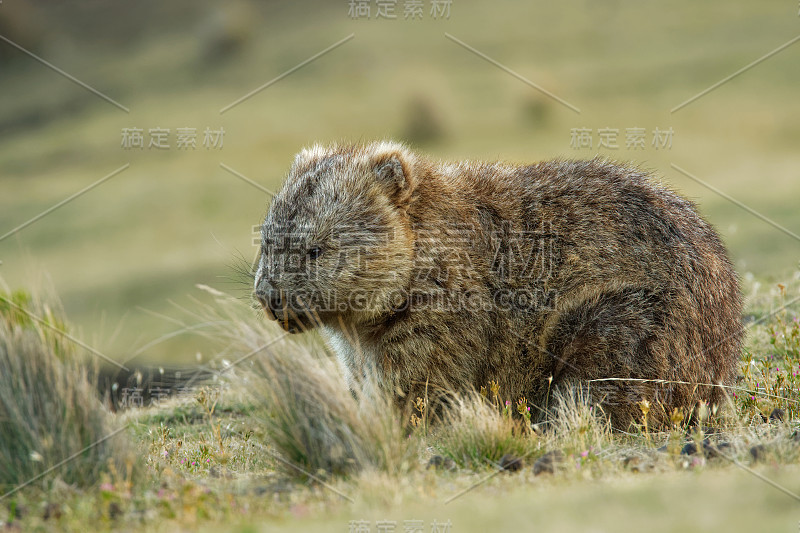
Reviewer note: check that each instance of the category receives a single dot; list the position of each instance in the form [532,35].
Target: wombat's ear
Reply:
[390,171]
[394,172]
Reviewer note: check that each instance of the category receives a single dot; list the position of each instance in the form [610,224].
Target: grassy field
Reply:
[277,442]
[132,258]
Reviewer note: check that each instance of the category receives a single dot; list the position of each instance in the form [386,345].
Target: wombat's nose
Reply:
[271,300]
[275,301]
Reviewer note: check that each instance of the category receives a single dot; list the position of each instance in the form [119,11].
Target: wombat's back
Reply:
[645,290]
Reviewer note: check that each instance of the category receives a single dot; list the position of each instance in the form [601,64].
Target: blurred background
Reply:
[125,257]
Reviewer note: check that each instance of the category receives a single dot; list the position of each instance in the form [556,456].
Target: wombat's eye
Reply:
[314,252]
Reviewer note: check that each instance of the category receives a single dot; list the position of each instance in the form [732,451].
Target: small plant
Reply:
[644,406]
[299,400]
[316,424]
[495,388]
[419,419]
[524,410]
[476,431]
[577,424]
[771,368]
[208,398]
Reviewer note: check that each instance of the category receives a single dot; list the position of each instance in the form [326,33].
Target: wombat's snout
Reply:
[279,306]
[276,302]
[272,301]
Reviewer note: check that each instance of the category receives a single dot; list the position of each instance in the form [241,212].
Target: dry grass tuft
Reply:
[300,400]
[315,423]
[475,432]
[49,409]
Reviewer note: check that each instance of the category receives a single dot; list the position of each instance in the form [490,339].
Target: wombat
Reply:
[435,276]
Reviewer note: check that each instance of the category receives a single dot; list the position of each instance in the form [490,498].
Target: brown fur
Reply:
[415,257]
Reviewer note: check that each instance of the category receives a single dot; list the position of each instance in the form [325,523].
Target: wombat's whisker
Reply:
[312,314]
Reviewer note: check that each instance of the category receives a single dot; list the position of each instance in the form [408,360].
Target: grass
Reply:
[49,409]
[278,439]
[317,425]
[478,433]
[770,373]
[299,401]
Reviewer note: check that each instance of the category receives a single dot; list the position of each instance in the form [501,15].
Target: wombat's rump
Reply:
[452,275]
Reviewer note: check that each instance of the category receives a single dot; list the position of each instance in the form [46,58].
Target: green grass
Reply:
[50,413]
[478,433]
[277,441]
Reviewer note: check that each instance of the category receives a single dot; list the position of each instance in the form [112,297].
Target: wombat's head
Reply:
[337,243]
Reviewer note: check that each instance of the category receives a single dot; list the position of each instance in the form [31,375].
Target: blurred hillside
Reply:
[123,255]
